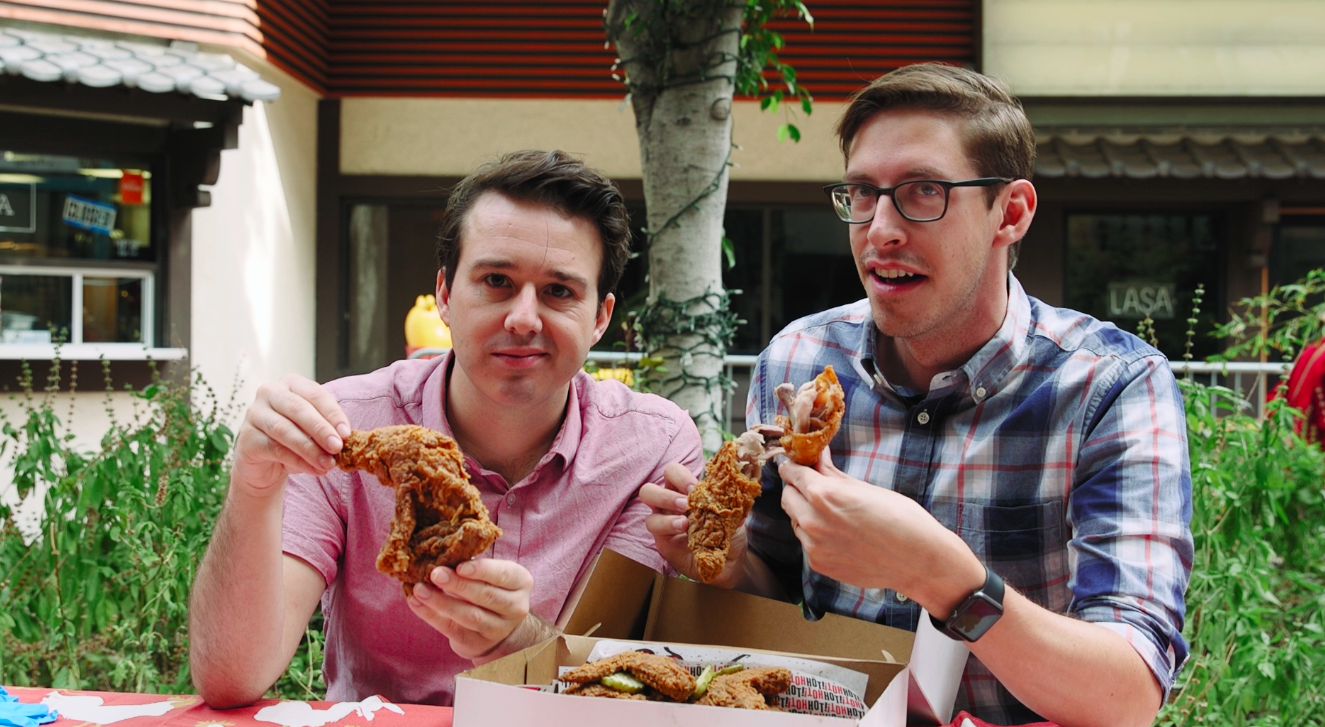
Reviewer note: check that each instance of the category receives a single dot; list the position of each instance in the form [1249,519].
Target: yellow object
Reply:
[625,376]
[424,327]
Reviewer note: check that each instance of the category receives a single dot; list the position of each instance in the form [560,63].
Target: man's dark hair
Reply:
[552,178]
[998,137]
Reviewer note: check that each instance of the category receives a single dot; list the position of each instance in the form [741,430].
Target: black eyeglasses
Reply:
[920,200]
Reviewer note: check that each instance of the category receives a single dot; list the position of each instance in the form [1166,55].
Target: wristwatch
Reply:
[973,617]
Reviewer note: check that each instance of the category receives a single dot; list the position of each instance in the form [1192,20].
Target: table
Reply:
[86,709]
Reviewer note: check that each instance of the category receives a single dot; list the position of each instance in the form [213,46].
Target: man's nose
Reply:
[887,226]
[523,317]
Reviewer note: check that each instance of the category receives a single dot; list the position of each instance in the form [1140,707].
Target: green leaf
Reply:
[786,131]
[729,251]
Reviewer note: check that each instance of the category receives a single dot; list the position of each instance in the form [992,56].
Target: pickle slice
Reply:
[702,683]
[623,682]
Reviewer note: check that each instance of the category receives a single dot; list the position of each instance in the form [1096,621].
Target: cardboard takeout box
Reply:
[913,678]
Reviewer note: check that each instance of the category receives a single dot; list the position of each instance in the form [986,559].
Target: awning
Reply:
[156,68]
[1183,154]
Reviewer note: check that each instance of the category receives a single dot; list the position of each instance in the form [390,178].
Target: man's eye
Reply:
[495,280]
[860,194]
[927,189]
[560,291]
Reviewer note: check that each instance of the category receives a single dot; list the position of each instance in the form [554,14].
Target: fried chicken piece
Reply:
[440,518]
[660,672]
[815,413]
[748,689]
[594,689]
[718,505]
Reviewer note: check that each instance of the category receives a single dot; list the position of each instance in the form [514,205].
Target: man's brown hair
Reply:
[998,137]
[553,178]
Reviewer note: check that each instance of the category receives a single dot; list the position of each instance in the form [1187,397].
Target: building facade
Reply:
[1176,149]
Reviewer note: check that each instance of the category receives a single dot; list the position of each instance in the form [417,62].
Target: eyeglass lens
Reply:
[917,201]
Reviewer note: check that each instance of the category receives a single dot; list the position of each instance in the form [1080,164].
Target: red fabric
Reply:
[1306,391]
[189,711]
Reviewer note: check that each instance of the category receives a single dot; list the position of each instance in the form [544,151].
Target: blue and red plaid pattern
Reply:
[1058,453]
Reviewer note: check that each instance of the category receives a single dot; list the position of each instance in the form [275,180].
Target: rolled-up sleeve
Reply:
[1131,509]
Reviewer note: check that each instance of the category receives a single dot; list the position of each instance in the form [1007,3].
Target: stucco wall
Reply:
[254,248]
[450,136]
[1157,47]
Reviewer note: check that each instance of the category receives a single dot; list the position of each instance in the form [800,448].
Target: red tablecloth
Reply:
[189,711]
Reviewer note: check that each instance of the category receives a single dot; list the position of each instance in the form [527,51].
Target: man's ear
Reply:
[443,298]
[1018,207]
[604,317]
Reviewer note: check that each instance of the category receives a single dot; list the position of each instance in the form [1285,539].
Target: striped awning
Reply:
[1183,154]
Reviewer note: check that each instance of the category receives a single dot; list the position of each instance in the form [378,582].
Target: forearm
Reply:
[532,630]
[1071,672]
[237,606]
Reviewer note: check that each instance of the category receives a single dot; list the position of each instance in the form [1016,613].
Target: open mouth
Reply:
[896,278]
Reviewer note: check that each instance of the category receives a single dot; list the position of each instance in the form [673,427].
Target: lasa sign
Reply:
[1138,300]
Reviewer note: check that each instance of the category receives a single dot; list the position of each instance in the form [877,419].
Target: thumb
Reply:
[825,464]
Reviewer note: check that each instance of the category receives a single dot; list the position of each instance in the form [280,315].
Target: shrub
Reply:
[99,599]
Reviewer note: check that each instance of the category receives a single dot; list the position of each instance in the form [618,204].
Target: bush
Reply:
[1256,605]
[99,600]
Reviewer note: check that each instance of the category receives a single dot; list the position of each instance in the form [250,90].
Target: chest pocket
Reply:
[1025,544]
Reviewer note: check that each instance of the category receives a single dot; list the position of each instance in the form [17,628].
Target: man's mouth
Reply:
[520,357]
[893,277]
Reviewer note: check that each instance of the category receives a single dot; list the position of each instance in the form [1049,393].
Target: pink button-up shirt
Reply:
[579,499]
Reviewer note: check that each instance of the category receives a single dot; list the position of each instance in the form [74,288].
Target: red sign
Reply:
[131,188]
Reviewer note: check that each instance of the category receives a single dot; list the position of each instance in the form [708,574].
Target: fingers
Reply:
[502,574]
[663,500]
[679,478]
[296,423]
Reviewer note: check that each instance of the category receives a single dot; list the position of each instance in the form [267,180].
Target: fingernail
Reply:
[422,592]
[465,569]
[334,443]
[344,430]
[682,503]
[441,576]
[327,462]
[680,524]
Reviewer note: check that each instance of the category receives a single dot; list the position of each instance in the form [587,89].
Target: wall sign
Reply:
[131,188]
[1140,299]
[18,207]
[89,215]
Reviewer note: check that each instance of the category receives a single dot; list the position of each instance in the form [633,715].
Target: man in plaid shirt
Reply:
[988,438]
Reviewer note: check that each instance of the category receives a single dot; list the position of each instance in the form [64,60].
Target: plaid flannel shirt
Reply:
[1058,453]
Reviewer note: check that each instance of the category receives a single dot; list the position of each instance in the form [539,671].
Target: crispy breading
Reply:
[595,689]
[805,440]
[660,672]
[747,689]
[440,518]
[716,507]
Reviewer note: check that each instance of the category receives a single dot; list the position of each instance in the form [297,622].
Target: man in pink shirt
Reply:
[529,250]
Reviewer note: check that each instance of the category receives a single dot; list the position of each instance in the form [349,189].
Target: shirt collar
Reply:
[984,371]
[564,444]
[988,368]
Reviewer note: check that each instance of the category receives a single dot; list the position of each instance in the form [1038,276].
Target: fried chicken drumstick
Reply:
[440,519]
[815,413]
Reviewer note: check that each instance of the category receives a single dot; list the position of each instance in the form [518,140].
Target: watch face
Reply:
[981,612]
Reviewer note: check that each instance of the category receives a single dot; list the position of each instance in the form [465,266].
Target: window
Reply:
[1124,267]
[77,259]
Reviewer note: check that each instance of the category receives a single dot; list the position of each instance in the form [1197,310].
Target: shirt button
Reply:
[901,598]
[510,498]
[923,417]
[980,392]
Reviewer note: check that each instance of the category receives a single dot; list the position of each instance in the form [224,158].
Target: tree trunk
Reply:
[680,60]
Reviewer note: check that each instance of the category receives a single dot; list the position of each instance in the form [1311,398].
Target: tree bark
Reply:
[680,59]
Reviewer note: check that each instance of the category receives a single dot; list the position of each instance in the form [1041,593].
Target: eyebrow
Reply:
[504,264]
[913,173]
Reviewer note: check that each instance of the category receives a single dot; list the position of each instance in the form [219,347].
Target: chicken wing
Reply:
[748,689]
